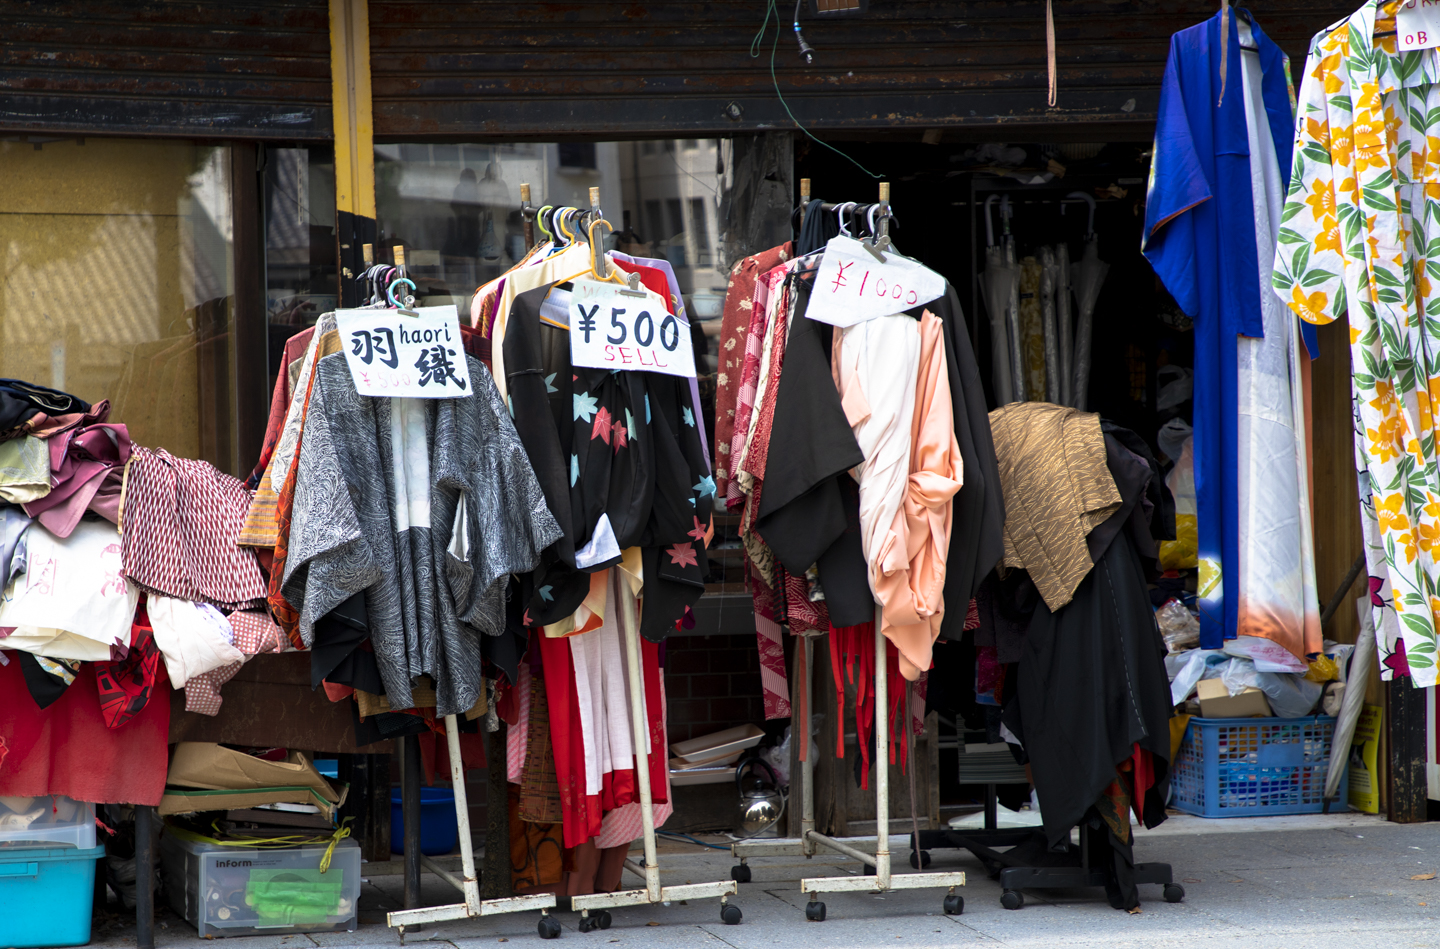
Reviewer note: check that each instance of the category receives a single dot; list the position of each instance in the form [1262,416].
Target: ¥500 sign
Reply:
[391,354]
[1417,24]
[615,328]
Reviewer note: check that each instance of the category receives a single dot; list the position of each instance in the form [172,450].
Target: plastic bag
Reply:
[1323,669]
[1268,655]
[1183,552]
[1179,628]
[778,758]
[1290,696]
[1203,664]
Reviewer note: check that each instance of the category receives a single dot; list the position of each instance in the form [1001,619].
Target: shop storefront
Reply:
[180,221]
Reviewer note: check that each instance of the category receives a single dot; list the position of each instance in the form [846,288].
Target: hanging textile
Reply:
[433,566]
[71,749]
[1360,222]
[1213,168]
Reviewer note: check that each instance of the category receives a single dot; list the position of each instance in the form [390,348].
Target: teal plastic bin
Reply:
[48,895]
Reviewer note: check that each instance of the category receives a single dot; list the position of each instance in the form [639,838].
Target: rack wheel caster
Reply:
[594,921]
[954,904]
[740,873]
[730,914]
[1012,899]
[549,927]
[1174,892]
[603,919]
[815,911]
[922,862]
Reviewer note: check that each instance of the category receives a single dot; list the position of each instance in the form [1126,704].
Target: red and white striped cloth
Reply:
[774,682]
[179,524]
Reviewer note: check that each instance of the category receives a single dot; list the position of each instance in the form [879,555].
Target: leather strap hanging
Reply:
[1050,49]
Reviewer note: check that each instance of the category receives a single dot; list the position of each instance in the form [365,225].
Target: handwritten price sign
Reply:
[1417,24]
[390,354]
[852,286]
[612,328]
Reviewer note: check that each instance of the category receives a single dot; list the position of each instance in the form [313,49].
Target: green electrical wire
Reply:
[755,48]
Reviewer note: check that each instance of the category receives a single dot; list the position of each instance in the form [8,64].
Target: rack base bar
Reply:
[442,873]
[845,848]
[788,846]
[688,891]
[869,884]
[440,914]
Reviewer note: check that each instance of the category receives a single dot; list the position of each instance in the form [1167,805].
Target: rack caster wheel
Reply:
[954,904]
[730,914]
[1174,892]
[740,873]
[815,911]
[1012,899]
[922,862]
[549,927]
[595,921]
[603,919]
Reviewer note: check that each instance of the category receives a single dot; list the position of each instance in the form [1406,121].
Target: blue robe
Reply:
[1200,238]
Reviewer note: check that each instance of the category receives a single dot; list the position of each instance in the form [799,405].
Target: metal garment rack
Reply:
[653,892]
[811,840]
[594,908]
[469,884]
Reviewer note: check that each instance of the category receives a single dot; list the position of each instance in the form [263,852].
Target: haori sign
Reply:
[391,353]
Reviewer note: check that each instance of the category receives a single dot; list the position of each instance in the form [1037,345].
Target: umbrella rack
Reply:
[810,841]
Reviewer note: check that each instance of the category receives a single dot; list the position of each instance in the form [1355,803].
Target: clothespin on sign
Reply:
[881,242]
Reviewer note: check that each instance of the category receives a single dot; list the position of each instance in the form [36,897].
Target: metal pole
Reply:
[1066,327]
[462,815]
[144,877]
[882,759]
[631,631]
[410,811]
[527,216]
[807,767]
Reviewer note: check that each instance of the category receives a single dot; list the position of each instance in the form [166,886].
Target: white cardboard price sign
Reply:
[611,328]
[852,286]
[391,354]
[1417,25]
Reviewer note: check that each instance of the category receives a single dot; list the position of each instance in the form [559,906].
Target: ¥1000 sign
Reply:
[393,354]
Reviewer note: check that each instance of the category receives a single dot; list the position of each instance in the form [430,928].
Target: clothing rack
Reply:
[594,908]
[811,840]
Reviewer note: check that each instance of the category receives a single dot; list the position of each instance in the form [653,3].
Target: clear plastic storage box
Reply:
[51,819]
[229,891]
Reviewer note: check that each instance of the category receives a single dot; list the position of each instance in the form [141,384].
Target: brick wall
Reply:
[711,683]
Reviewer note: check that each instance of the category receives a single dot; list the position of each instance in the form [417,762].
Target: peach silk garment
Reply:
[908,573]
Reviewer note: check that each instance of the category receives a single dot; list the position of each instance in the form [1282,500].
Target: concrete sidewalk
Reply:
[1294,882]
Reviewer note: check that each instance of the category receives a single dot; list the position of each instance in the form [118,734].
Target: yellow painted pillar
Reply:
[354,139]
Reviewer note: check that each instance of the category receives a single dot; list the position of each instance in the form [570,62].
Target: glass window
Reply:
[300,246]
[119,284]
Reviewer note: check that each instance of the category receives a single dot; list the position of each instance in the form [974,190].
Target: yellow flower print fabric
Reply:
[1360,235]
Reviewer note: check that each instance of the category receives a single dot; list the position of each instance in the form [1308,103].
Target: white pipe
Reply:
[471,885]
[840,846]
[882,760]
[631,632]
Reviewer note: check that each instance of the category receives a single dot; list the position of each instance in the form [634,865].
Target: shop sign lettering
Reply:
[392,354]
[1417,25]
[615,328]
[853,285]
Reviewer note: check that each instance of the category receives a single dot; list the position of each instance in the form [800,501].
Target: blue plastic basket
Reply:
[1248,767]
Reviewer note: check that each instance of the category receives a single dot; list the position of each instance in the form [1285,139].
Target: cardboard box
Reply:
[224,779]
[1217,702]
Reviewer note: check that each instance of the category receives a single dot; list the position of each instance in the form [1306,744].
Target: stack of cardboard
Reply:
[208,777]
